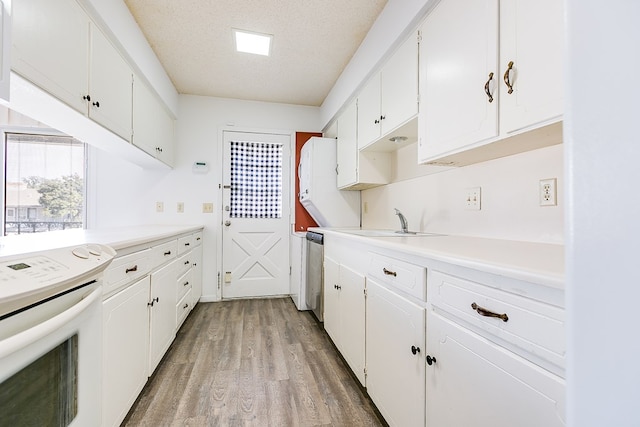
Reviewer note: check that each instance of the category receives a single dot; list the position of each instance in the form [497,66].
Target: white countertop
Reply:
[117,238]
[541,263]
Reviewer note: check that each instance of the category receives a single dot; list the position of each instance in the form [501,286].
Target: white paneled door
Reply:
[255,216]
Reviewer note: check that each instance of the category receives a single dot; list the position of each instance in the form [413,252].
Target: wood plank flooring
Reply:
[257,362]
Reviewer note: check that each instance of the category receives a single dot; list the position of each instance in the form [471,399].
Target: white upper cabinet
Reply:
[5,46]
[153,126]
[357,169]
[390,98]
[51,48]
[57,47]
[347,147]
[369,115]
[457,54]
[532,38]
[489,70]
[110,86]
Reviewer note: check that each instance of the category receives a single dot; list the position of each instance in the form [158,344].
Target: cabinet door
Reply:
[332,299]
[347,147]
[304,171]
[50,48]
[395,375]
[494,386]
[458,52]
[352,320]
[369,116]
[537,75]
[196,275]
[400,86]
[110,86]
[152,123]
[125,350]
[163,313]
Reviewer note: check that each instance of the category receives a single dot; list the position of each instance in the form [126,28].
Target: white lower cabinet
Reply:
[344,313]
[196,278]
[395,343]
[162,319]
[126,348]
[149,293]
[474,382]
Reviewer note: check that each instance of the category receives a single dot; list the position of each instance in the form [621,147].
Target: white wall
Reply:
[603,213]
[126,194]
[436,203]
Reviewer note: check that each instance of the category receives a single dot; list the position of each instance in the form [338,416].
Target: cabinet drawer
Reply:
[407,277]
[533,326]
[183,285]
[197,238]
[183,308]
[185,243]
[125,269]
[164,252]
[184,263]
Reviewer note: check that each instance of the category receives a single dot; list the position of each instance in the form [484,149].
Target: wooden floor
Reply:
[256,362]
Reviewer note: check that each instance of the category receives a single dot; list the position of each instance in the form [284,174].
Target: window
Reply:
[256,180]
[44,183]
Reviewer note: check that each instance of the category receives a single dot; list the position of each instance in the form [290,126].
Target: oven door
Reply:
[50,361]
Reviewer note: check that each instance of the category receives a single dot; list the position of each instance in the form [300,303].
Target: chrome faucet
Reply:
[403,222]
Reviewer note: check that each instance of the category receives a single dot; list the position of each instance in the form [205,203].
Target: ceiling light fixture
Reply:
[250,42]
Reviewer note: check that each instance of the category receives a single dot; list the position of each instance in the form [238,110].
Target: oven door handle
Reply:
[23,339]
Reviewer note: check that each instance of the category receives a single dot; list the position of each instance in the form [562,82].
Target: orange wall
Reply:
[303,219]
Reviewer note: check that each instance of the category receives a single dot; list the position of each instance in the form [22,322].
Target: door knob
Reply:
[227,223]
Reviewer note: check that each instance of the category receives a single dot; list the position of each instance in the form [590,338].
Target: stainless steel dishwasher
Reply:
[315,262]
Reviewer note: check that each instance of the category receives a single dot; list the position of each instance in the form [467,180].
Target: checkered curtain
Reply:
[256,180]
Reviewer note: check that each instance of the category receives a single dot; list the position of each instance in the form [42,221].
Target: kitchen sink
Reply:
[387,233]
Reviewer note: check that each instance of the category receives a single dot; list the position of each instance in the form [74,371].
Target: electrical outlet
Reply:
[159,207]
[472,199]
[180,207]
[548,192]
[207,207]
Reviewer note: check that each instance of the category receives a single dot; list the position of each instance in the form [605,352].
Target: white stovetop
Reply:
[541,263]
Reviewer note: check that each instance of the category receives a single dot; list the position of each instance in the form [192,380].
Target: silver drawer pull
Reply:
[487,313]
[129,270]
[389,272]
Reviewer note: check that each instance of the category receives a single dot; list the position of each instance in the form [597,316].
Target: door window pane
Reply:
[256,180]
[44,183]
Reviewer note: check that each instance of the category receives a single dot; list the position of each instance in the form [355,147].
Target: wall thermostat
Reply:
[200,167]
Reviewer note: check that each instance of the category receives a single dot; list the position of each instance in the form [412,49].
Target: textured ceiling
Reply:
[313,42]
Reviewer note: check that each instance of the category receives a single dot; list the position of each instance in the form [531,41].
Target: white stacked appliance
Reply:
[328,206]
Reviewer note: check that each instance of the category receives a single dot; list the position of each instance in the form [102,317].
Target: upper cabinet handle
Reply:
[96,104]
[87,97]
[507,77]
[484,312]
[487,88]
